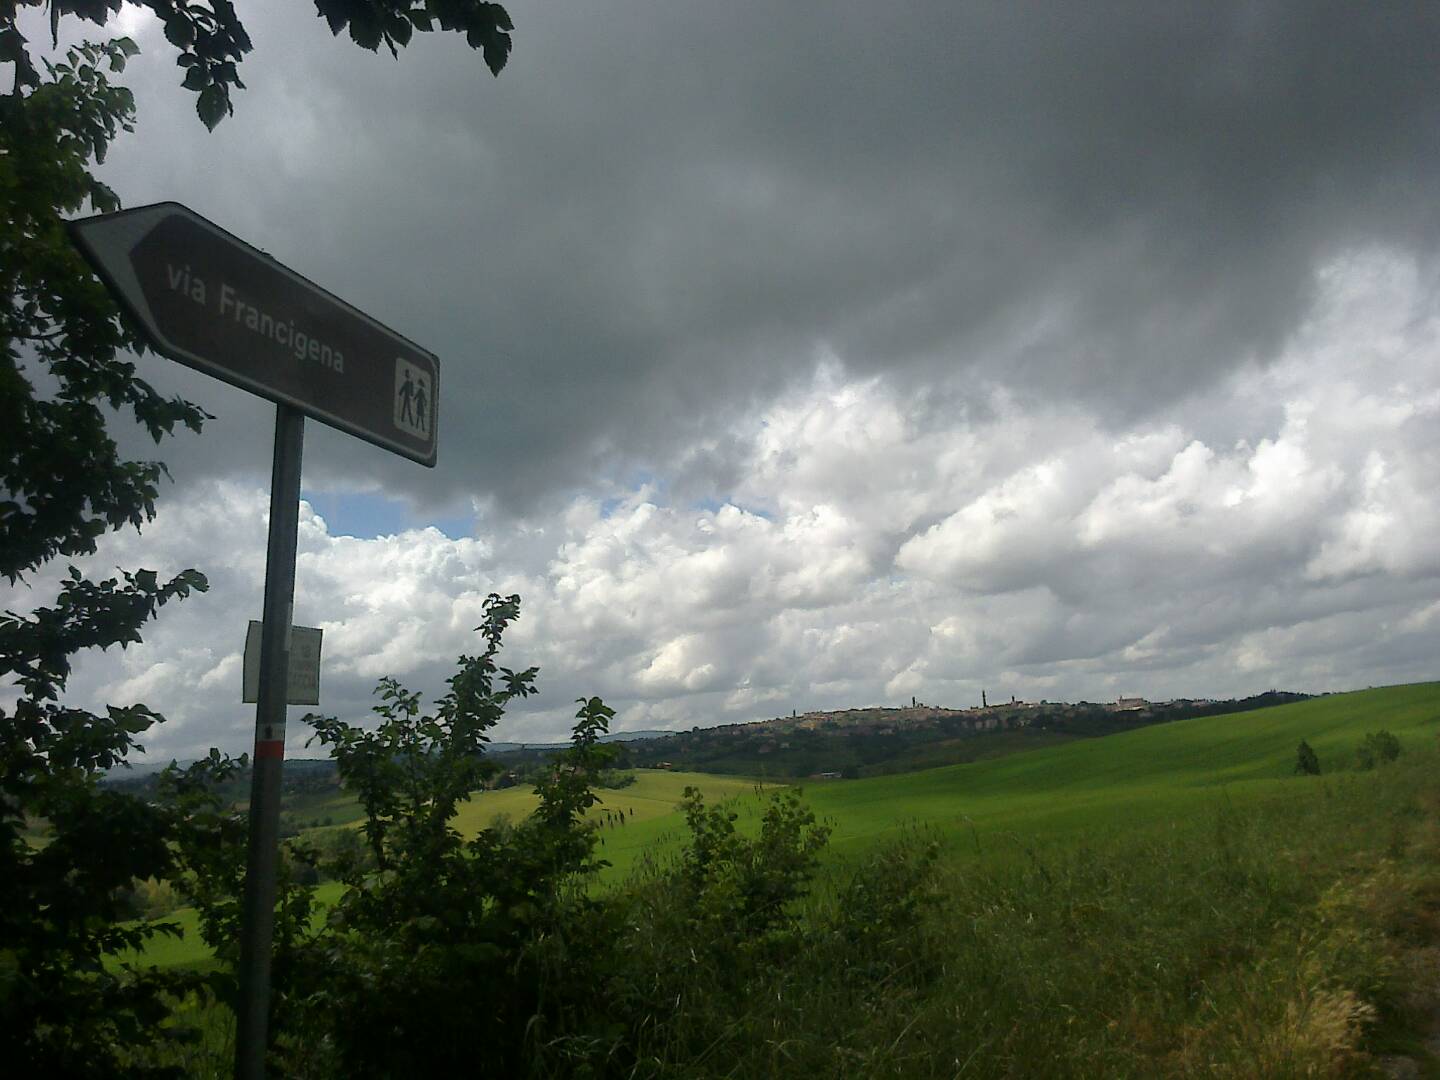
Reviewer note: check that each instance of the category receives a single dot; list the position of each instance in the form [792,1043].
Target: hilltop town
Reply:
[848,743]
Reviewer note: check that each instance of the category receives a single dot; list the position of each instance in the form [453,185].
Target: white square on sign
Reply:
[414,399]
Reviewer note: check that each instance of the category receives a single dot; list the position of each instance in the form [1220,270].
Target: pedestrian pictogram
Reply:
[414,398]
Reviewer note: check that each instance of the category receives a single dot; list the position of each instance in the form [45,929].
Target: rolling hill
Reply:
[1138,779]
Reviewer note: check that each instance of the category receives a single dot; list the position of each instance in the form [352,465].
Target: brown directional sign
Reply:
[214,303]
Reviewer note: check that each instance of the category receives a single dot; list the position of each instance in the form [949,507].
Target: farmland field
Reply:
[1147,777]
[653,795]
[1079,792]
[1153,775]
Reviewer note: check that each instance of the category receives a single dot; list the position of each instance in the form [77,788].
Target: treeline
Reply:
[943,739]
[851,753]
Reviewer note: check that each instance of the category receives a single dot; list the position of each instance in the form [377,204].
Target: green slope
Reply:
[188,950]
[653,794]
[1137,779]
[1148,775]
[648,805]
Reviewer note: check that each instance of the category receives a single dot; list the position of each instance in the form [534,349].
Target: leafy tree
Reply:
[62,486]
[70,849]
[1306,763]
[444,950]
[213,42]
[62,480]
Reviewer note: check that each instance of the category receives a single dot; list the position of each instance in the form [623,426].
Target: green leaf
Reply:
[366,32]
[334,14]
[197,78]
[12,45]
[494,45]
[180,32]
[500,15]
[212,105]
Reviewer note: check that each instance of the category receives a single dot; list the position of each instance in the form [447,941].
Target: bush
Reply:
[155,899]
[743,887]
[615,779]
[340,853]
[1379,747]
[445,952]
[1306,763]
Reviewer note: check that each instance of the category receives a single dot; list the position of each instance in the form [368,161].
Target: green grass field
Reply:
[1140,780]
[1172,901]
[1153,775]
[164,951]
[652,798]
[653,795]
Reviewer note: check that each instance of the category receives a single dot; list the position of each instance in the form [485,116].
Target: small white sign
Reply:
[304,681]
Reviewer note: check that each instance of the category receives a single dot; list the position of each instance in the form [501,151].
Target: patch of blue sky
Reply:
[657,490]
[645,478]
[367,515]
[714,506]
[640,483]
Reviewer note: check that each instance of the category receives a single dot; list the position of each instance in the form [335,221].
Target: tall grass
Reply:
[1281,938]
[1153,910]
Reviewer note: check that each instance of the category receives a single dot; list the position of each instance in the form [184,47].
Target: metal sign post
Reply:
[212,302]
[258,911]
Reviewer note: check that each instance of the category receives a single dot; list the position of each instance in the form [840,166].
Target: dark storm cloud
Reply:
[662,213]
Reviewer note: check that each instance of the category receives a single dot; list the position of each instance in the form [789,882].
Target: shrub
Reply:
[1379,747]
[155,899]
[1306,763]
[698,941]
[741,886]
[442,951]
[615,779]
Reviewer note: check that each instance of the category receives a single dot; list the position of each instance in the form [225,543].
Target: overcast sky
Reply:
[800,356]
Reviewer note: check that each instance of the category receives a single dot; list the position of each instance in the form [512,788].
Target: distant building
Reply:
[1129,704]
